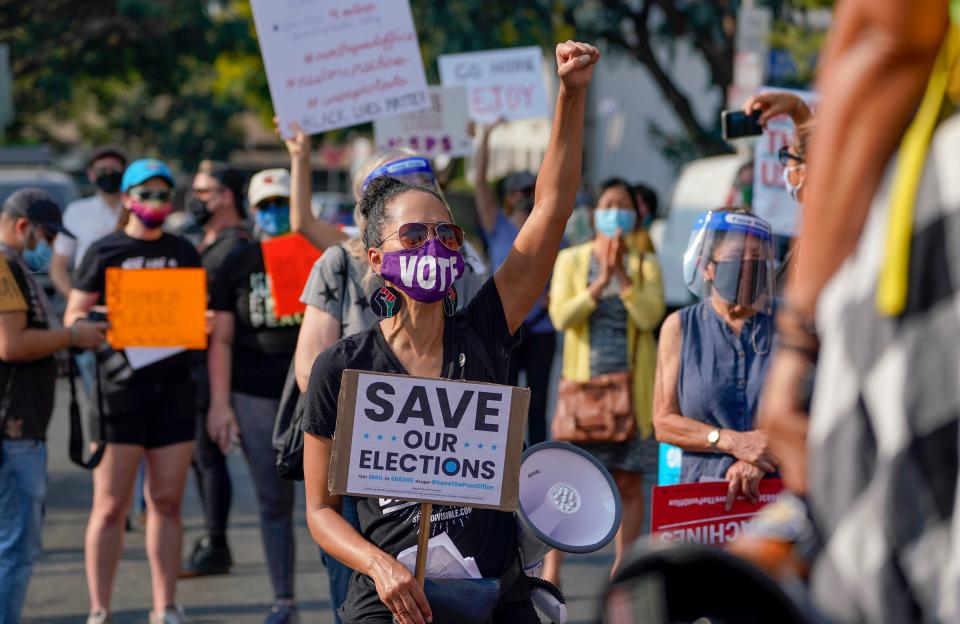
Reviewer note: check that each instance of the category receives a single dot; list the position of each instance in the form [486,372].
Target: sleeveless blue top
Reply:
[721,376]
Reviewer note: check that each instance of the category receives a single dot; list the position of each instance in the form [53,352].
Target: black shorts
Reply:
[150,413]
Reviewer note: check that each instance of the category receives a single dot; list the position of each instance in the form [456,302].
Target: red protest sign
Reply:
[694,512]
[288,260]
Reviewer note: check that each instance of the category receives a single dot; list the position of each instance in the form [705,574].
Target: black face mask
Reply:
[740,281]
[198,208]
[109,181]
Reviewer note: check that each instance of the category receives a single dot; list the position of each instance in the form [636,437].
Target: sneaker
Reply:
[98,617]
[207,559]
[171,615]
[283,614]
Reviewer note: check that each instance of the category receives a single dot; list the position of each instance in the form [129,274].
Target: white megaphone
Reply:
[568,501]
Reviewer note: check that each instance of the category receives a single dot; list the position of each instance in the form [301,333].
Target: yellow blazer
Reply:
[571,305]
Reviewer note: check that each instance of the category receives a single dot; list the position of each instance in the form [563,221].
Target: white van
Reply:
[702,185]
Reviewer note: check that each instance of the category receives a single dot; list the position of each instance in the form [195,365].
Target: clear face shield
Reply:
[731,255]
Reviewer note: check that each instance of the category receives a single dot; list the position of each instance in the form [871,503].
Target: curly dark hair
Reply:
[373,205]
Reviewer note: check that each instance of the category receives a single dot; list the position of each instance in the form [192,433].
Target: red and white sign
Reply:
[440,129]
[506,83]
[694,512]
[338,63]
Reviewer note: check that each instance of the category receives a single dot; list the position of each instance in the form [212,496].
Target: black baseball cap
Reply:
[103,151]
[37,206]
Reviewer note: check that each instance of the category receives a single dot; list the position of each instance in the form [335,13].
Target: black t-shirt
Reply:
[263,344]
[215,254]
[26,388]
[479,333]
[212,257]
[119,250]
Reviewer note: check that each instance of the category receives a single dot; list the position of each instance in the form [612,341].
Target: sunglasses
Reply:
[275,203]
[784,155]
[413,235]
[159,195]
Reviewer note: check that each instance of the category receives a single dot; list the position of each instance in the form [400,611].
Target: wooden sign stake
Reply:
[426,510]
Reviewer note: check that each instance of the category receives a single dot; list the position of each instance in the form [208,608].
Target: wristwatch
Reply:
[714,438]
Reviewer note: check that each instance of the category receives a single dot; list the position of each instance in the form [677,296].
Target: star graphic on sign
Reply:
[380,437]
[466,445]
[480,445]
[493,447]
[330,294]
[393,438]
[366,436]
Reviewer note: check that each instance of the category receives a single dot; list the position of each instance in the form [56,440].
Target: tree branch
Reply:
[644,53]
[718,55]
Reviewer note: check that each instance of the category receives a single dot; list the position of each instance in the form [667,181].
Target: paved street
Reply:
[58,591]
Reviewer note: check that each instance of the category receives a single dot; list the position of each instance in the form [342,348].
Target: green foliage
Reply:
[143,73]
[174,78]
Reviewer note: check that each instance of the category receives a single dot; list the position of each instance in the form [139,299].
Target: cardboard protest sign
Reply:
[428,440]
[501,83]
[440,129]
[337,64]
[288,260]
[770,198]
[157,308]
[694,512]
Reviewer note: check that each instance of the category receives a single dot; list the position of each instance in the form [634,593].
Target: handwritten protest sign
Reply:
[332,64]
[429,440]
[440,129]
[157,308]
[502,83]
[288,260]
[694,512]
[770,198]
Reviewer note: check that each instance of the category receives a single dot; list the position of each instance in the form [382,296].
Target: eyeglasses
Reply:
[413,235]
[159,195]
[784,155]
[199,190]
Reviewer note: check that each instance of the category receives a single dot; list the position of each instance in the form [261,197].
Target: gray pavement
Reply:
[58,591]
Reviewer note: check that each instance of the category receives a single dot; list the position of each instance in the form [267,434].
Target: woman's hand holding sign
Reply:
[399,590]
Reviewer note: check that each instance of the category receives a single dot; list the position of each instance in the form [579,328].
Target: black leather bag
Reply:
[462,601]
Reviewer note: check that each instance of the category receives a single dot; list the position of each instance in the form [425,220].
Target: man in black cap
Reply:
[29,338]
[90,218]
[216,204]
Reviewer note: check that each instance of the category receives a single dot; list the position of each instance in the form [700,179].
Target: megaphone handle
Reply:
[426,510]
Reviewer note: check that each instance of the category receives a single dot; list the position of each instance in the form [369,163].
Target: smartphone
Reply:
[96,316]
[737,124]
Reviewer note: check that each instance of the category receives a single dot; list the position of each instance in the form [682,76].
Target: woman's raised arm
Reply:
[524,274]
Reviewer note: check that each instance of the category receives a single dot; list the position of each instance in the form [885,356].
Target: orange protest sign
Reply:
[288,260]
[157,308]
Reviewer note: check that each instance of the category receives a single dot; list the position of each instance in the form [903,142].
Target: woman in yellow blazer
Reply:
[606,297]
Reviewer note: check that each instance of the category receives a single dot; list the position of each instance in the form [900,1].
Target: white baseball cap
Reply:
[268,183]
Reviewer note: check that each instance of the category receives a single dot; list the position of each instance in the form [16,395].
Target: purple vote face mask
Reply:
[424,273]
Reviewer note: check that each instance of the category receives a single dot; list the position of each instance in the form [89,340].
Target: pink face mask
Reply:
[424,273]
[151,215]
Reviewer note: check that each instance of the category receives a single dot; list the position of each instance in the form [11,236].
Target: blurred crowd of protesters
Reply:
[831,365]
